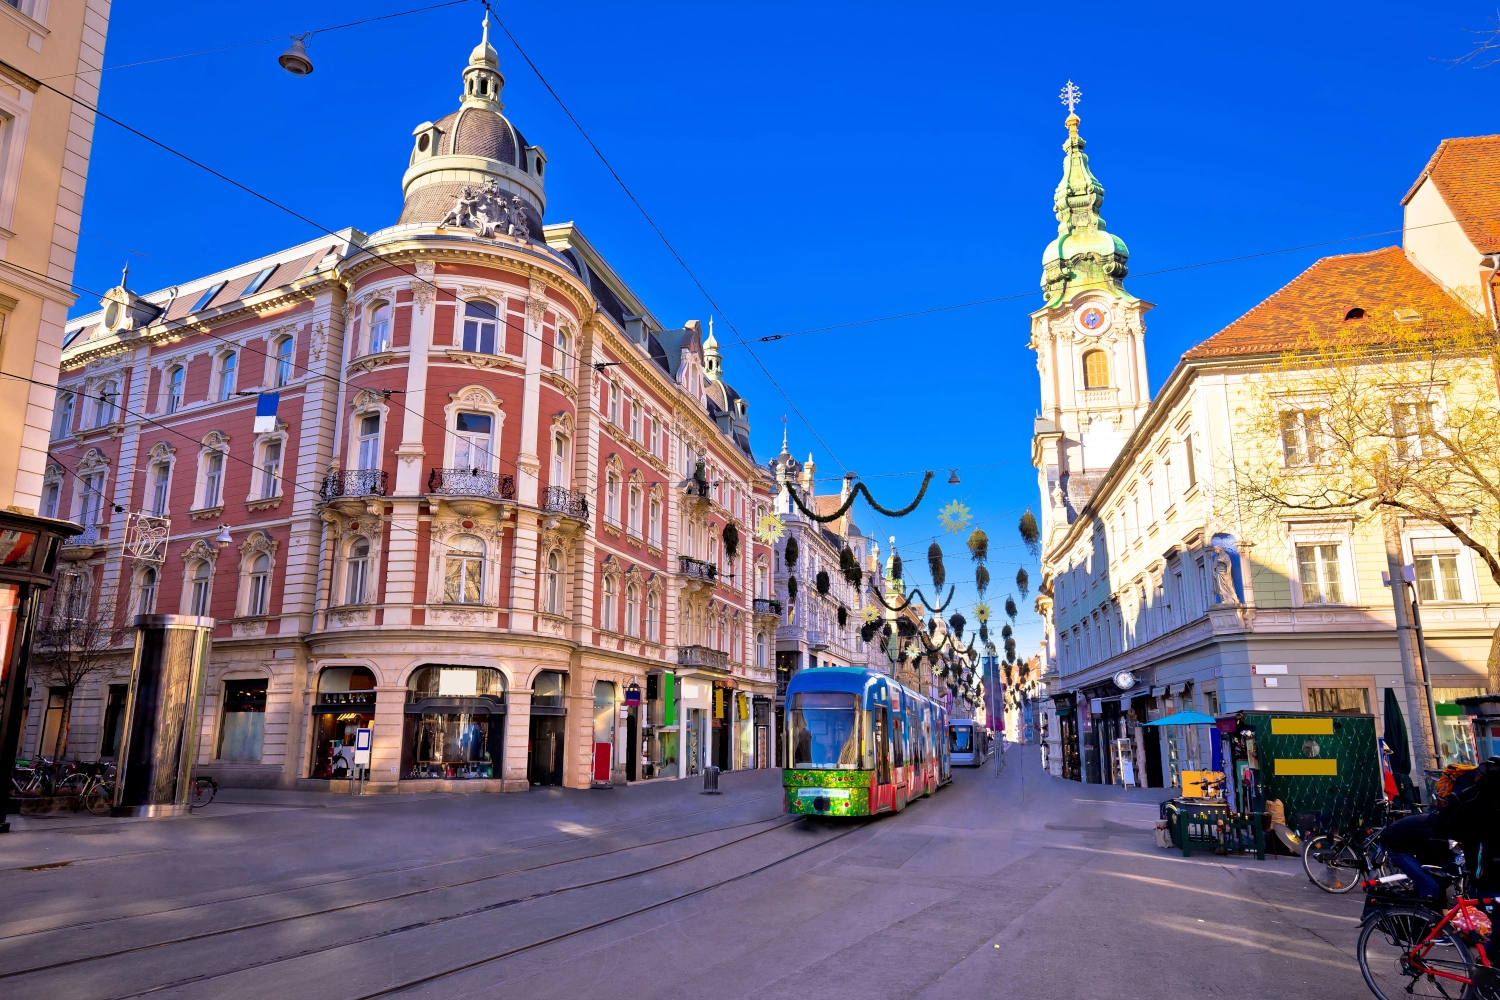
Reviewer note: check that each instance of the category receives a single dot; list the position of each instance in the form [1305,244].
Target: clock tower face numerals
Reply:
[1091,319]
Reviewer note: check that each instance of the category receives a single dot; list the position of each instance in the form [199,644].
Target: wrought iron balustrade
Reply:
[568,503]
[354,483]
[767,606]
[698,569]
[697,488]
[702,656]
[471,483]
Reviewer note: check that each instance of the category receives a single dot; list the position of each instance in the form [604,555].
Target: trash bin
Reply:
[710,781]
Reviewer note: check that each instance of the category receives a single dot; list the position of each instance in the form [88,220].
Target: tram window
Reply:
[898,741]
[882,747]
[962,739]
[824,728]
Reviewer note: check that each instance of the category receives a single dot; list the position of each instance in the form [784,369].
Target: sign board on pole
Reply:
[362,747]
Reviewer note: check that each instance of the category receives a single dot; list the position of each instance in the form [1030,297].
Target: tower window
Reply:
[1095,370]
[423,141]
[1355,313]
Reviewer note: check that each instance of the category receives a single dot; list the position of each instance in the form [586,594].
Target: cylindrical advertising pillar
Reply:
[166,681]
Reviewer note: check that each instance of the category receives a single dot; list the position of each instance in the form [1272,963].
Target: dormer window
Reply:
[208,295]
[1354,314]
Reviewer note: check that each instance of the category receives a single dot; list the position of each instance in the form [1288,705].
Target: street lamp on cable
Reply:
[224,537]
[295,59]
[953,479]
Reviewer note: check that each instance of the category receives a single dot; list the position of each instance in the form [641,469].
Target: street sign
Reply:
[633,694]
[362,747]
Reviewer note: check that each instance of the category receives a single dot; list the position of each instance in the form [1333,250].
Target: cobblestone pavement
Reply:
[1016,885]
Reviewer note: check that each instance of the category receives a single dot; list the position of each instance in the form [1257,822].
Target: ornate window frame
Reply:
[274,341]
[94,463]
[490,534]
[655,622]
[164,402]
[614,472]
[610,594]
[473,398]
[365,403]
[656,516]
[52,479]
[216,393]
[161,454]
[554,584]
[257,545]
[215,442]
[368,530]
[138,586]
[198,553]
[635,504]
[258,498]
[562,426]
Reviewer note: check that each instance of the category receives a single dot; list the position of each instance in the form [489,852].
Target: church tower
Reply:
[1089,343]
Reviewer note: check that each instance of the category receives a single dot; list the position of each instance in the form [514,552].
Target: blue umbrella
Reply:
[1184,719]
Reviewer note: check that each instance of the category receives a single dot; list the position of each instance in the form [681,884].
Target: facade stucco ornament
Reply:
[1224,577]
[258,544]
[318,343]
[488,212]
[536,301]
[200,551]
[423,289]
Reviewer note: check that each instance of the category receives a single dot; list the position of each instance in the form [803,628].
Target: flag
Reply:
[265,411]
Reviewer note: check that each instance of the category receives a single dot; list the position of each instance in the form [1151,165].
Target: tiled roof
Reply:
[1316,302]
[1467,174]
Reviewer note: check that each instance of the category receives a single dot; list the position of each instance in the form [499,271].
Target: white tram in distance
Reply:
[968,742]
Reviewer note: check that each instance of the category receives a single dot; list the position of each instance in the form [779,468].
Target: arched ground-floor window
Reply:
[455,723]
[549,724]
[345,703]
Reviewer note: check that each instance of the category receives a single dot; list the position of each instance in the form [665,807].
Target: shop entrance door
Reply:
[632,743]
[604,732]
[544,762]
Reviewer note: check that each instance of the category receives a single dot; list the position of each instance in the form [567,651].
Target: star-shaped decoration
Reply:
[954,517]
[770,528]
[871,614]
[982,611]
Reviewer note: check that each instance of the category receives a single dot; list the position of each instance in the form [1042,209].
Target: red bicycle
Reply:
[1410,950]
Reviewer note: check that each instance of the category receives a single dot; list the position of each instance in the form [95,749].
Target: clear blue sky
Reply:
[823,163]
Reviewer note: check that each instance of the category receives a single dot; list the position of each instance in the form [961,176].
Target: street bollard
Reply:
[710,781]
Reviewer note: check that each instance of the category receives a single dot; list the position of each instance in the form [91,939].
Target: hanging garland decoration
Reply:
[979,545]
[822,582]
[954,517]
[1023,581]
[859,488]
[981,579]
[849,566]
[1030,533]
[935,565]
[1010,607]
[843,616]
[790,554]
[914,595]
[770,528]
[731,536]
[791,590]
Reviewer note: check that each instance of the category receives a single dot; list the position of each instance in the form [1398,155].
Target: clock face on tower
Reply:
[1091,319]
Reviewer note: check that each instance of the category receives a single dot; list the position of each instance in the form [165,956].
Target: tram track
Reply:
[491,907]
[395,897]
[401,870]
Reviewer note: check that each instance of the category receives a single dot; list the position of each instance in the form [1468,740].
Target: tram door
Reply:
[898,757]
[882,758]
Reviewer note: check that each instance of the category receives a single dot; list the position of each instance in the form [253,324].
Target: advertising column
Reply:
[161,735]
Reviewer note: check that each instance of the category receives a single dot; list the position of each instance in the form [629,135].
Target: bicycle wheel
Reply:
[100,799]
[204,790]
[1439,969]
[1333,864]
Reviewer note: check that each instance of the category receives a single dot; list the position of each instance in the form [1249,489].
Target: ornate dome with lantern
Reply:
[472,168]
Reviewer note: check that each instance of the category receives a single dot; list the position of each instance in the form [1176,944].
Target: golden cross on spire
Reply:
[1071,96]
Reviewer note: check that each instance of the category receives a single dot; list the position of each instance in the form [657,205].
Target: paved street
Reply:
[1026,886]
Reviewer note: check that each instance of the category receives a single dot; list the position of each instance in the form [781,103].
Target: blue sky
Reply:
[818,164]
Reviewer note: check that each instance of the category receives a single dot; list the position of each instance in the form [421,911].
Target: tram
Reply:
[968,742]
[858,743]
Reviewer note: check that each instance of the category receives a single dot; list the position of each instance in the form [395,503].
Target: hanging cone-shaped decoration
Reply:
[843,616]
[896,567]
[822,582]
[731,536]
[979,545]
[1010,608]
[981,578]
[984,632]
[935,564]
[790,554]
[931,626]
[1023,581]
[791,590]
[849,567]
[957,623]
[1006,632]
[1030,533]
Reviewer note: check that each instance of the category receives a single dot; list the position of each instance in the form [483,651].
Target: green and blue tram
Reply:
[858,743]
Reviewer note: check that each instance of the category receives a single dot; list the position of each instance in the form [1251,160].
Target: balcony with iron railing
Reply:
[697,569]
[767,606]
[702,658]
[354,483]
[566,503]
[471,483]
[82,545]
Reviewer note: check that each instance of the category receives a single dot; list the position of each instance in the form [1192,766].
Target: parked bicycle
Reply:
[203,792]
[1409,947]
[1341,859]
[32,777]
[95,783]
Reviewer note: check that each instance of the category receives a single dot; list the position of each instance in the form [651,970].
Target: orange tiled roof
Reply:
[827,505]
[1317,300]
[1467,174]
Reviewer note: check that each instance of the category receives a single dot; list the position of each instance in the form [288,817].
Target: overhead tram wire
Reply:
[258,41]
[663,236]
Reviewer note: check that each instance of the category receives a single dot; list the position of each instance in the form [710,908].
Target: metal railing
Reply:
[471,483]
[697,488]
[354,483]
[767,606]
[88,536]
[568,503]
[698,569]
[702,656]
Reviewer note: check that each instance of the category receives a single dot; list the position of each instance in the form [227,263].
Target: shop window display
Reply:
[244,728]
[345,703]
[455,723]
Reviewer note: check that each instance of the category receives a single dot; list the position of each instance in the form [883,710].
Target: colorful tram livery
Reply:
[968,742]
[858,743]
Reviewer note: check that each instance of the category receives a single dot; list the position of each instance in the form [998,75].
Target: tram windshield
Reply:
[824,728]
[961,739]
